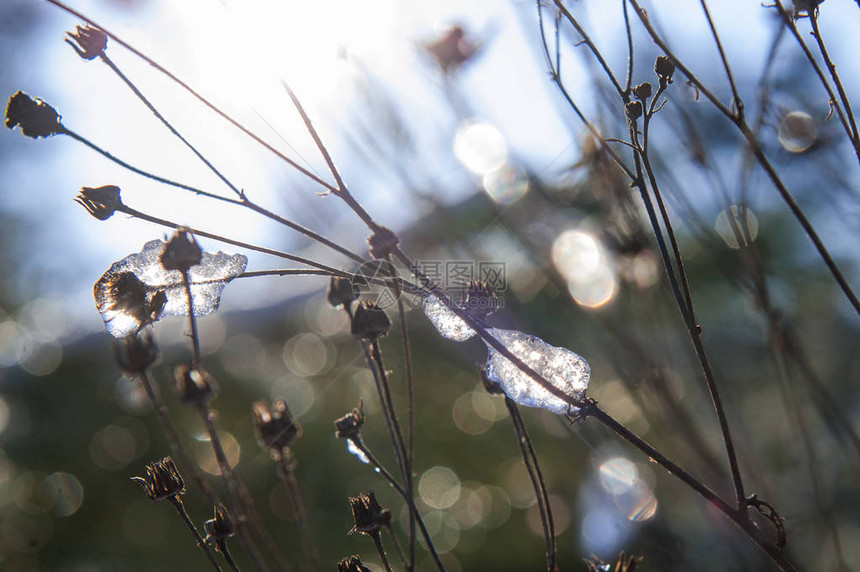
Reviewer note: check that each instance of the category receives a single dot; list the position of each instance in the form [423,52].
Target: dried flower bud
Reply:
[634,110]
[135,353]
[87,41]
[162,480]
[452,49]
[276,428]
[35,117]
[194,385]
[805,7]
[341,292]
[101,202]
[181,252]
[368,514]
[382,242]
[349,426]
[352,564]
[665,68]
[370,322]
[219,528]
[642,91]
[481,300]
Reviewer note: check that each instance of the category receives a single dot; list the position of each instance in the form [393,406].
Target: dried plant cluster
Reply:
[641,205]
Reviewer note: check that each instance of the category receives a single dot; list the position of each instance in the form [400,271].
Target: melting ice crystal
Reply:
[446,321]
[138,290]
[561,367]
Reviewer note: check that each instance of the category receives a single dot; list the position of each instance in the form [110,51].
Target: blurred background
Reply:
[446,126]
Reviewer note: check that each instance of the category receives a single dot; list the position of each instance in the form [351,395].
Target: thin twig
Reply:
[180,508]
[308,544]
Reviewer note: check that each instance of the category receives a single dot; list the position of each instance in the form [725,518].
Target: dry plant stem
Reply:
[377,542]
[396,445]
[195,94]
[588,42]
[837,81]
[221,546]
[197,232]
[149,385]
[192,319]
[233,502]
[739,518]
[410,446]
[629,33]
[738,119]
[243,198]
[400,553]
[386,474]
[786,389]
[619,429]
[685,304]
[180,508]
[302,520]
[556,79]
[788,19]
[736,98]
[533,468]
[376,352]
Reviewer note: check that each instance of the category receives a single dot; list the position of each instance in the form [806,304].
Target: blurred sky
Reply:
[350,63]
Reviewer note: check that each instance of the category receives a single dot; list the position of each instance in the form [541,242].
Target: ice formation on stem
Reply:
[138,290]
[561,367]
[449,324]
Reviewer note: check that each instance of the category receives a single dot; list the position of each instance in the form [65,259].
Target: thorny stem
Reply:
[536,476]
[740,122]
[386,474]
[180,508]
[243,198]
[299,507]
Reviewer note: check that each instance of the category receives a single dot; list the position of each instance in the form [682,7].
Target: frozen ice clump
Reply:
[137,290]
[352,448]
[446,322]
[561,367]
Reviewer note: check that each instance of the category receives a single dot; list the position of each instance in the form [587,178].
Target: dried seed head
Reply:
[665,68]
[805,7]
[125,293]
[101,202]
[352,564]
[349,426]
[162,480]
[642,91]
[87,41]
[181,252]
[137,352]
[452,49]
[481,300]
[276,428]
[219,528]
[341,292]
[368,514]
[35,117]
[194,385]
[370,322]
[634,110]
[382,242]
